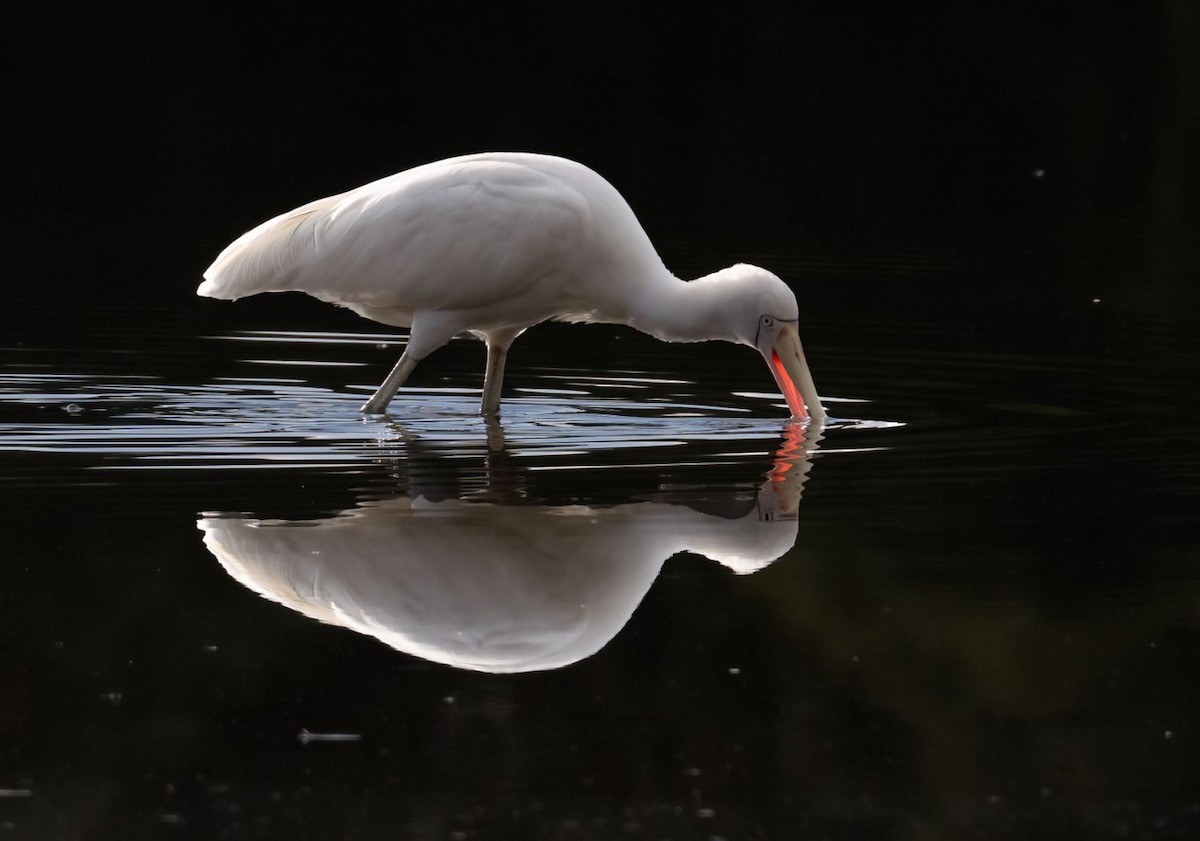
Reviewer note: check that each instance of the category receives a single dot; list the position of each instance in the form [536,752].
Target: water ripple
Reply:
[133,421]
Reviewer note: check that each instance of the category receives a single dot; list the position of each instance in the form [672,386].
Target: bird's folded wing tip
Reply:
[210,289]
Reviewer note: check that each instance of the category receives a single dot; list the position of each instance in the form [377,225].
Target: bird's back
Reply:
[503,232]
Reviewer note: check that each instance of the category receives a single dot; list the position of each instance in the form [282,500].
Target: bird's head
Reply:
[762,312]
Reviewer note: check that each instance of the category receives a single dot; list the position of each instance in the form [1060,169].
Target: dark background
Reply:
[977,154]
[1014,178]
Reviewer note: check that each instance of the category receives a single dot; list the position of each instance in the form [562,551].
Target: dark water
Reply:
[967,607]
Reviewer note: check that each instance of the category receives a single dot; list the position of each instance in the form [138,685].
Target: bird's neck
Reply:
[675,310]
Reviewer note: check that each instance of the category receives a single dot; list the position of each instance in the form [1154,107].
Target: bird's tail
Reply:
[267,257]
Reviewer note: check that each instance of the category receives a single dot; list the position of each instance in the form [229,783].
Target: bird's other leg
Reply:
[498,344]
[429,332]
[493,379]
[387,390]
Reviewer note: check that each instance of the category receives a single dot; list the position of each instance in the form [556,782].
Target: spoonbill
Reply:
[491,244]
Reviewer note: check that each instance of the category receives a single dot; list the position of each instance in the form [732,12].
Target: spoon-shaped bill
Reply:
[785,357]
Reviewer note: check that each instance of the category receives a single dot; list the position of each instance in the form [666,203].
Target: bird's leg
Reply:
[498,344]
[493,378]
[387,390]
[429,331]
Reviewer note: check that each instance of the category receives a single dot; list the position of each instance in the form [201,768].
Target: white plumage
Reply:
[492,244]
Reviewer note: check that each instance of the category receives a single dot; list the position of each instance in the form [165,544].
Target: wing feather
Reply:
[266,258]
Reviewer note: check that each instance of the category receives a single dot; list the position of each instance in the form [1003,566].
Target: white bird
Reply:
[491,244]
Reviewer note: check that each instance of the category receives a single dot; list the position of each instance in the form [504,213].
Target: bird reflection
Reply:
[496,587]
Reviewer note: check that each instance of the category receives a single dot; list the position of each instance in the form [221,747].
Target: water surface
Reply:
[966,607]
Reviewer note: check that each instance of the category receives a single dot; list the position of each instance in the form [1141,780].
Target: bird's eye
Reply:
[767,321]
